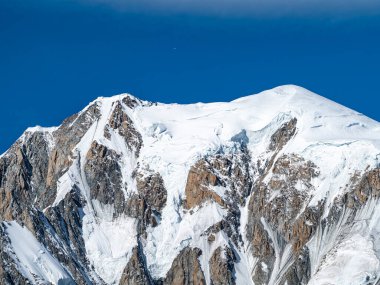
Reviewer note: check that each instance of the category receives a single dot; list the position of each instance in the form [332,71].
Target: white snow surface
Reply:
[34,261]
[350,263]
[338,140]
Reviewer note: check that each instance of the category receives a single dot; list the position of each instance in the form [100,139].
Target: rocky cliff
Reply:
[282,187]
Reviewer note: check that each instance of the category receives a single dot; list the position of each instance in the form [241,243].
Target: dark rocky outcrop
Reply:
[199,179]
[66,137]
[136,273]
[278,212]
[186,269]
[103,175]
[222,267]
[66,221]
[150,186]
[364,187]
[231,172]
[146,206]
[29,172]
[121,122]
[280,207]
[282,136]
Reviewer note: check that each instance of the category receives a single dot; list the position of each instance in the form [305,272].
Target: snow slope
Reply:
[33,259]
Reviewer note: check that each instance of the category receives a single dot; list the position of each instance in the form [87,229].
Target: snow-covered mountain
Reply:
[281,187]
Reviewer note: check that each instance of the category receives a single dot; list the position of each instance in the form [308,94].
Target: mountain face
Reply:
[282,187]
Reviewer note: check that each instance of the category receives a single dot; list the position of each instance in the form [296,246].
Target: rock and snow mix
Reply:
[305,157]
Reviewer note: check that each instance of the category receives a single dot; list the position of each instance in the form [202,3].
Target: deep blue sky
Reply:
[56,56]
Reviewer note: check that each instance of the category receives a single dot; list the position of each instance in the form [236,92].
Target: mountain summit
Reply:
[281,187]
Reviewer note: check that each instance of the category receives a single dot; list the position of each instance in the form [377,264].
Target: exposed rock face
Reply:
[135,273]
[23,174]
[256,201]
[15,184]
[103,175]
[29,173]
[150,187]
[120,121]
[367,188]
[289,201]
[186,269]
[200,178]
[281,137]
[222,267]
[147,204]
[220,170]
[232,174]
[66,220]
[278,208]
[66,137]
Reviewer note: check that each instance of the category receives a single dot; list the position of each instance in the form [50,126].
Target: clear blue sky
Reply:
[56,56]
